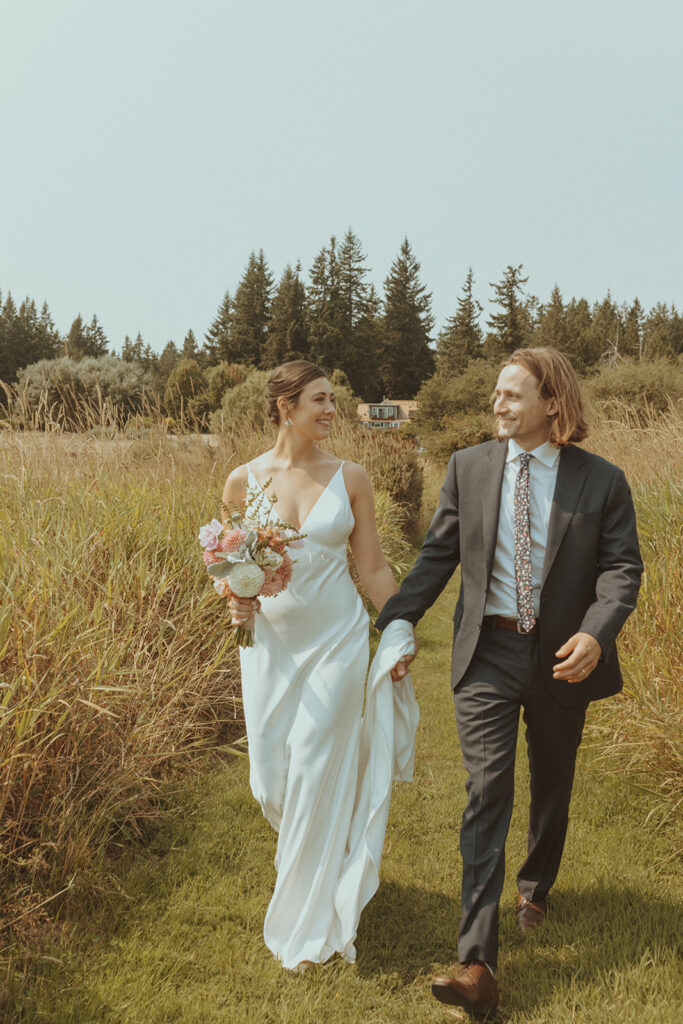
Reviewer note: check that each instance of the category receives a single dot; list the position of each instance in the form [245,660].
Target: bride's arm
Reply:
[235,496]
[373,569]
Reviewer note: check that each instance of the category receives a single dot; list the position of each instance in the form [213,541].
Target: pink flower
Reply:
[210,558]
[277,579]
[209,534]
[232,541]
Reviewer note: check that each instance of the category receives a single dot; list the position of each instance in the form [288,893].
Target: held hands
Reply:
[581,653]
[243,609]
[400,669]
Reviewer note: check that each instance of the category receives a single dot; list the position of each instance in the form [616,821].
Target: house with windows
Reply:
[389,414]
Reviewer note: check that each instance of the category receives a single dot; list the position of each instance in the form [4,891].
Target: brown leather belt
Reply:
[504,622]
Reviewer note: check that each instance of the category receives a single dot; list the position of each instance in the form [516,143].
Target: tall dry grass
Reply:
[640,733]
[117,667]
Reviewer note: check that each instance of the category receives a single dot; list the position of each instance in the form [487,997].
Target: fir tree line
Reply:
[383,345]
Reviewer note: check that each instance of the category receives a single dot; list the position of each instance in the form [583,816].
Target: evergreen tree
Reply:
[662,332]
[74,343]
[367,381]
[251,312]
[26,337]
[461,338]
[190,347]
[218,341]
[324,307]
[551,331]
[48,340]
[137,352]
[605,335]
[168,360]
[405,357]
[10,341]
[356,317]
[288,329]
[579,319]
[510,327]
[632,343]
[95,342]
[131,351]
[343,310]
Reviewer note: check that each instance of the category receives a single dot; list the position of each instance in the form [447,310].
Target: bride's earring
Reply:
[288,422]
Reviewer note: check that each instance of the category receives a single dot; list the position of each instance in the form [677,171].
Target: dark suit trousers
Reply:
[502,677]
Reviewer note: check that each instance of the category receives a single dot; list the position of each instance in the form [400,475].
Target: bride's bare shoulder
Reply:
[356,478]
[236,485]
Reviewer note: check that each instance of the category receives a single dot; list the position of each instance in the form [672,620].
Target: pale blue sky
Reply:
[149,145]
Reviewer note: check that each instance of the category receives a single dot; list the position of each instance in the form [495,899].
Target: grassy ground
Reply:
[178,939]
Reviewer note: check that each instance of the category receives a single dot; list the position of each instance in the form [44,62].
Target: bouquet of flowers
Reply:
[250,559]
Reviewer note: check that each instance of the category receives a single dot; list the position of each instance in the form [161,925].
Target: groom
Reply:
[545,536]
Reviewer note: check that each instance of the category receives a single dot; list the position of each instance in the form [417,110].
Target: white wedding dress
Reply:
[321,775]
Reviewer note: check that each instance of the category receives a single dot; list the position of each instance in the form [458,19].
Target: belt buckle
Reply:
[519,628]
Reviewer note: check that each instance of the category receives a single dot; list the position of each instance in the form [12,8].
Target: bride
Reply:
[316,768]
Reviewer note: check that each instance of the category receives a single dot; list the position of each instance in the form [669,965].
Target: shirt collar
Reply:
[545,453]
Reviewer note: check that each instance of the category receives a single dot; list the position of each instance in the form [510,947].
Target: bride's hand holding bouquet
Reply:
[250,560]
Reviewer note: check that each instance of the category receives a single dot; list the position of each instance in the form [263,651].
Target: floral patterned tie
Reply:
[525,594]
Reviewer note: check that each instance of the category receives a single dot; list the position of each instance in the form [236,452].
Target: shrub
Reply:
[637,388]
[458,432]
[219,379]
[74,394]
[347,401]
[392,463]
[444,397]
[243,404]
[185,391]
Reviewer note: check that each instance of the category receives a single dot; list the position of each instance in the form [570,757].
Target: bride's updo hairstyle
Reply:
[288,381]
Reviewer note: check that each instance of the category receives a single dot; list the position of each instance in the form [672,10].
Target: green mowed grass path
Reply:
[182,940]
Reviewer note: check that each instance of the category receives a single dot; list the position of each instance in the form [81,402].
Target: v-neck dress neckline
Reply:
[313,506]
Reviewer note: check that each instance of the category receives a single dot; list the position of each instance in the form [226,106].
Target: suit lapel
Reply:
[571,478]
[490,487]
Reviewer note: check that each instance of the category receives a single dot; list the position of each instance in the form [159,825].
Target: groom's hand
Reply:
[400,669]
[581,654]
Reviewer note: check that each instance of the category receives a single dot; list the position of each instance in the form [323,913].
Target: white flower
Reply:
[246,579]
[269,559]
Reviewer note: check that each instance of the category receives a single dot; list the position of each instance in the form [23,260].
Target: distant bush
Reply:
[639,388]
[392,463]
[244,404]
[442,398]
[184,396]
[220,379]
[457,433]
[347,401]
[74,393]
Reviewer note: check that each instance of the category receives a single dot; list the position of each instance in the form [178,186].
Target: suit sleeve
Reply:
[436,563]
[619,567]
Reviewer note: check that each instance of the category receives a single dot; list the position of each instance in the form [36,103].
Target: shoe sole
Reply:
[446,994]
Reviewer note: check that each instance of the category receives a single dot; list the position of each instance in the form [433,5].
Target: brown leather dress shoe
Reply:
[530,915]
[473,987]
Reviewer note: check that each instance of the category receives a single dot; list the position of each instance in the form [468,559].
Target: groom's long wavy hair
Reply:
[556,379]
[288,381]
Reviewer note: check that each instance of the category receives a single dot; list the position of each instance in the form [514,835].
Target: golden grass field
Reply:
[118,674]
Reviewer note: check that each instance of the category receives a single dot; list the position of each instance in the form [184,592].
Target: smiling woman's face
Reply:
[315,410]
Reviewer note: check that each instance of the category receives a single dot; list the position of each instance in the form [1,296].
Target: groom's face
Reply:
[521,413]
